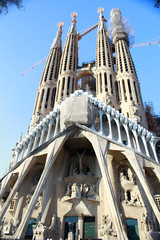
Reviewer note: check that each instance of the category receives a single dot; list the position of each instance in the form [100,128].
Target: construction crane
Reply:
[146,44]
[80,37]
[45,58]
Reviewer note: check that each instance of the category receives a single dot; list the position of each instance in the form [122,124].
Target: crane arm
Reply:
[86,32]
[145,44]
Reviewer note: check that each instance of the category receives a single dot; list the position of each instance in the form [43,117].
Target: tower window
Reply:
[53,97]
[73,85]
[130,91]
[63,83]
[47,97]
[111,84]
[124,90]
[100,82]
[136,92]
[117,91]
[105,79]
[68,85]
[42,94]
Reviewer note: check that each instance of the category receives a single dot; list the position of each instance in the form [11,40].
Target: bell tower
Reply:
[104,64]
[47,88]
[127,84]
[69,62]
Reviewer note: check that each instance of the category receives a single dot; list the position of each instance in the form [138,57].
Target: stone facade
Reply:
[86,170]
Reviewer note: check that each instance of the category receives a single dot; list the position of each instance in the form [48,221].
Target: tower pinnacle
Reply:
[74,15]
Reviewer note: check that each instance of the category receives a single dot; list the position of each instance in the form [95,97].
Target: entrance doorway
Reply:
[89,230]
[29,232]
[132,229]
[71,228]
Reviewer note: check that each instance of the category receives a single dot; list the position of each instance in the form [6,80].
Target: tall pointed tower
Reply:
[47,88]
[127,85]
[87,170]
[105,82]
[69,63]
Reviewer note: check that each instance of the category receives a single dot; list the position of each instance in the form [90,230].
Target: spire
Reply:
[57,41]
[127,85]
[69,63]
[104,63]
[118,29]
[102,20]
[73,25]
[47,88]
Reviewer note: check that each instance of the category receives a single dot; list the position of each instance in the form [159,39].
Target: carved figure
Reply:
[68,191]
[91,191]
[106,226]
[53,225]
[85,190]
[147,223]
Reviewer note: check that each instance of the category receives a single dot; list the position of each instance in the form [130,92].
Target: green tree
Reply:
[157,4]
[4,4]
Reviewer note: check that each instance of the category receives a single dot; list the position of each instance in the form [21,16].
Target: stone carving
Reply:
[43,232]
[28,199]
[108,98]
[39,202]
[81,190]
[9,227]
[106,226]
[38,117]
[129,192]
[146,222]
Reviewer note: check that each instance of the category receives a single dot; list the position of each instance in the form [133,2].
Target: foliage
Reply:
[4,4]
[157,4]
[151,118]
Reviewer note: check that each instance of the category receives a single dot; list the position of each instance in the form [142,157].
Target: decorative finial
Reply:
[101,10]
[74,15]
[60,24]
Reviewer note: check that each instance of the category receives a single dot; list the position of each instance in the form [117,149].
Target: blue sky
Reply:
[26,37]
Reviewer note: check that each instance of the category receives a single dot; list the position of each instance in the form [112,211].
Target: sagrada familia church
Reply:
[87,167]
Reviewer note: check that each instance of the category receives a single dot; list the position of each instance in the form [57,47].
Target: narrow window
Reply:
[53,97]
[42,94]
[68,85]
[100,82]
[136,92]
[105,79]
[47,97]
[63,82]
[111,84]
[130,91]
[124,90]
[119,87]
[73,85]
[117,91]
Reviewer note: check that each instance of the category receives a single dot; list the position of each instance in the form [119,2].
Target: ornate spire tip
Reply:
[74,15]
[60,24]
[100,10]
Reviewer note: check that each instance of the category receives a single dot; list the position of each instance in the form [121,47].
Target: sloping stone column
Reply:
[56,148]
[137,166]
[100,147]
[26,168]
